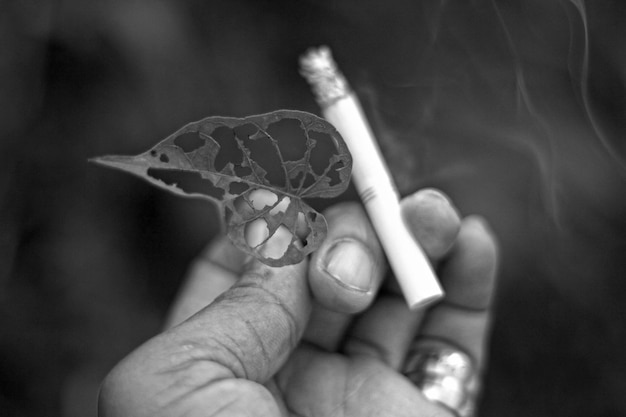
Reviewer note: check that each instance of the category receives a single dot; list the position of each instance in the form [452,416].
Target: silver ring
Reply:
[444,375]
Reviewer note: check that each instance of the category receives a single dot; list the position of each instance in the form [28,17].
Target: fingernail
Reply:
[478,222]
[432,195]
[351,265]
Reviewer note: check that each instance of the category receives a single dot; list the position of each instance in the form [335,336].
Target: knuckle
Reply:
[259,321]
[477,234]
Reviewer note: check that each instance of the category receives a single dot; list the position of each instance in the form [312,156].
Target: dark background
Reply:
[516,109]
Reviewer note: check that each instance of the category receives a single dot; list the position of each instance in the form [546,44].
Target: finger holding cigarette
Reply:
[341,107]
[347,270]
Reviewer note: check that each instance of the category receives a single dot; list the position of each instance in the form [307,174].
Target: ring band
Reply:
[444,375]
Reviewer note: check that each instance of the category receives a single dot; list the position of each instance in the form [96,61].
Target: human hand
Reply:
[322,337]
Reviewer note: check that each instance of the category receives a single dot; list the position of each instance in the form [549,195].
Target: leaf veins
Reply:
[259,169]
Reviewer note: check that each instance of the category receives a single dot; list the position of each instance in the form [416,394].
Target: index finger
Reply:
[216,269]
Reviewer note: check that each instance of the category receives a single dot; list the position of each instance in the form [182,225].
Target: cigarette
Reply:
[371,177]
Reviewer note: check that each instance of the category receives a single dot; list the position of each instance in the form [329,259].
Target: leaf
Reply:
[259,169]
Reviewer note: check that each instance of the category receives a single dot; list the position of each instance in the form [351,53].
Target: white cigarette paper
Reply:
[341,107]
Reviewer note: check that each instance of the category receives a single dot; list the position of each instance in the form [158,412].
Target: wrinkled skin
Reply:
[324,337]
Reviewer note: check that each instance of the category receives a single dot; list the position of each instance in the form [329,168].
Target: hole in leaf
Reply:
[256,232]
[309,180]
[242,171]
[238,187]
[229,150]
[246,131]
[333,174]
[274,247]
[320,154]
[188,181]
[262,198]
[295,181]
[164,158]
[153,153]
[263,152]
[281,207]
[291,138]
[189,142]
[312,216]
[302,229]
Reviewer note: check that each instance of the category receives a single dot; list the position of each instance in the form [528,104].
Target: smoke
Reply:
[515,108]
[583,69]
[506,77]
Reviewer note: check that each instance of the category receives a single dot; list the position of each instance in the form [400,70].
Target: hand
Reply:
[247,339]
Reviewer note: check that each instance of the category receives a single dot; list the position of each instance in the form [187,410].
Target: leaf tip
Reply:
[122,162]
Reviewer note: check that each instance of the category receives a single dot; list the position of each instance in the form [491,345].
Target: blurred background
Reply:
[516,109]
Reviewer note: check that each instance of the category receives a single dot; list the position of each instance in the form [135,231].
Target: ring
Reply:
[444,375]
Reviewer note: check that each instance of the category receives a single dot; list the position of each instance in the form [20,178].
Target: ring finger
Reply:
[462,319]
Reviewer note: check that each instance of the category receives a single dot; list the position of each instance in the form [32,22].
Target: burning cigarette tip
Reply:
[320,70]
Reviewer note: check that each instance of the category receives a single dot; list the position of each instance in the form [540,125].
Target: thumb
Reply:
[251,329]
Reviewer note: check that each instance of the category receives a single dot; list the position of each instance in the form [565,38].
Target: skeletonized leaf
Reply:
[259,169]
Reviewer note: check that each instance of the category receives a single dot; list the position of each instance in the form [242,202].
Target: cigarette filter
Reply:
[341,107]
